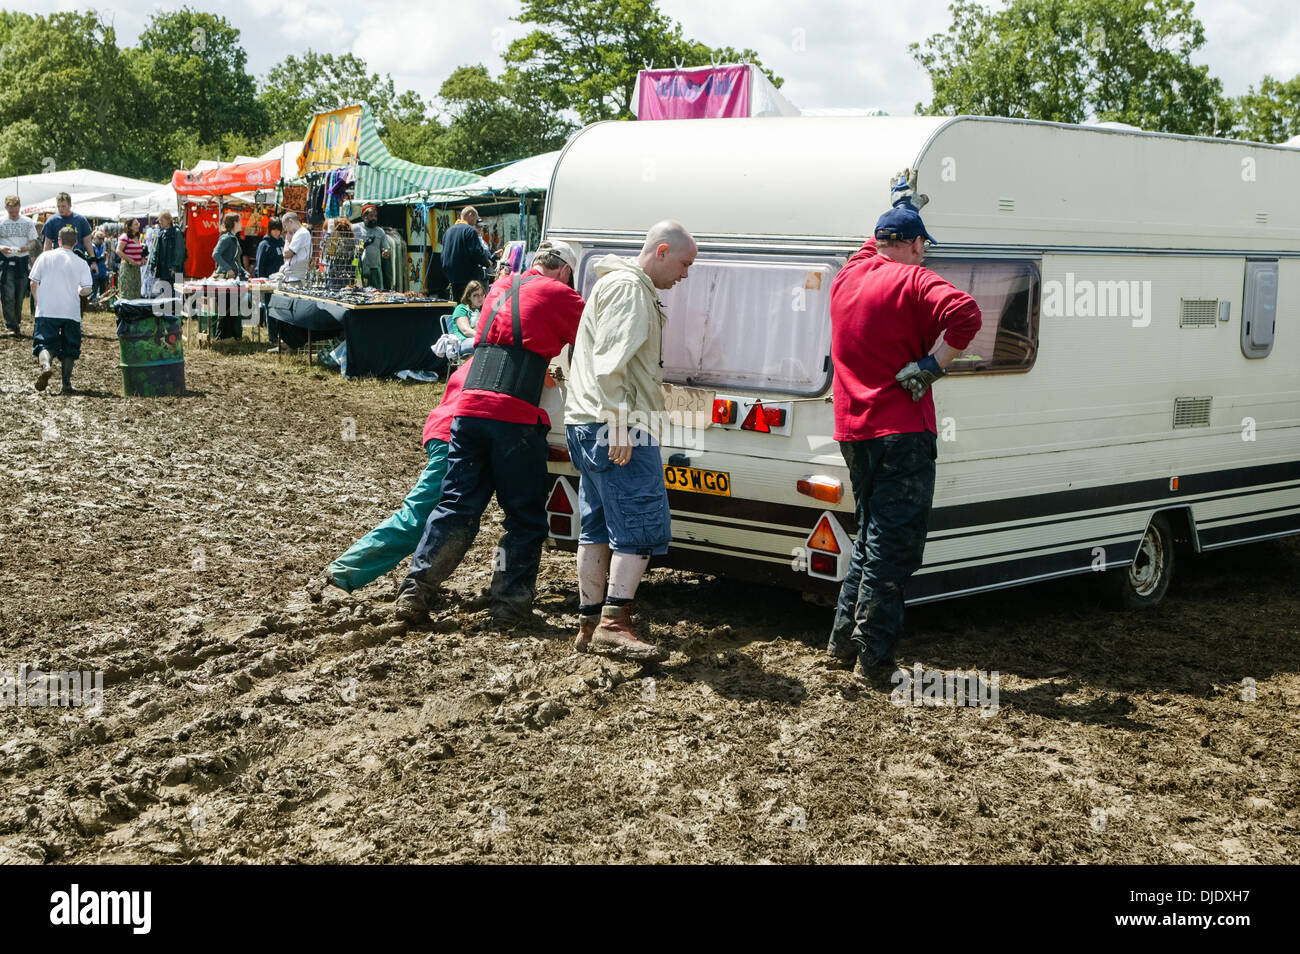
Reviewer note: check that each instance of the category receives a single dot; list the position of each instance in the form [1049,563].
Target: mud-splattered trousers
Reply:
[893,483]
[487,456]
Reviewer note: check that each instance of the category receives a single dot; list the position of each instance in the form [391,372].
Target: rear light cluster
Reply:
[562,511]
[828,549]
[730,412]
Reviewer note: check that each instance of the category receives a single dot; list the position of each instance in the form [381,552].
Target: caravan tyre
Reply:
[1143,583]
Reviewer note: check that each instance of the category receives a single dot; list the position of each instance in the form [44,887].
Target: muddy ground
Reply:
[169,542]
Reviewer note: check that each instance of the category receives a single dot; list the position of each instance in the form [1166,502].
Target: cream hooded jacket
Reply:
[617,368]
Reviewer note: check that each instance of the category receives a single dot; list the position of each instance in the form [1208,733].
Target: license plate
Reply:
[697,481]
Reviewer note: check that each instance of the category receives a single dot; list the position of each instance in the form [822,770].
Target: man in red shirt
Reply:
[887,314]
[498,439]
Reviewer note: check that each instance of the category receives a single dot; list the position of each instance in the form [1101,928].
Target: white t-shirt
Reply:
[61,276]
[17,233]
[300,245]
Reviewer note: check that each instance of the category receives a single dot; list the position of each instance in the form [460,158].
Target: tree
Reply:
[585,54]
[194,68]
[494,121]
[67,97]
[1069,60]
[1269,114]
[300,86]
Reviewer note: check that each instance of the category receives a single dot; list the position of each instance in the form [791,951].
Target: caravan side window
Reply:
[756,324]
[1007,293]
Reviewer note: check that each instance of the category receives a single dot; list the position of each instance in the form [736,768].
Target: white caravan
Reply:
[1136,380]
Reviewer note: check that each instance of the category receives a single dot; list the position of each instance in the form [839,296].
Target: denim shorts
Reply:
[61,337]
[626,507]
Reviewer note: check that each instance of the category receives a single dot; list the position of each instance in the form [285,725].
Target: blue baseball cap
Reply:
[902,223]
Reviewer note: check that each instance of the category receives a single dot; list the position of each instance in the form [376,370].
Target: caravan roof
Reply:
[992,182]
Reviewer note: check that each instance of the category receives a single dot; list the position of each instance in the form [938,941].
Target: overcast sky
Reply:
[830,52]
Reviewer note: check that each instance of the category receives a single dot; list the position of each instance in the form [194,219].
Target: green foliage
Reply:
[66,96]
[195,69]
[1270,113]
[1069,60]
[585,54]
[298,87]
[494,121]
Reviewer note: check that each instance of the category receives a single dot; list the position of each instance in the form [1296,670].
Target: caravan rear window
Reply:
[752,324]
[1007,293]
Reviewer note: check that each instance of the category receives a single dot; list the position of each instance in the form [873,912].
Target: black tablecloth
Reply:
[381,340]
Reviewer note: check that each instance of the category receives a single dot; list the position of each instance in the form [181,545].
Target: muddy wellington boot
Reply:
[615,637]
[586,629]
[47,372]
[67,376]
[414,600]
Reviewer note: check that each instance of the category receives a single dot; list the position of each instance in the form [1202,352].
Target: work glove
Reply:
[917,376]
[902,188]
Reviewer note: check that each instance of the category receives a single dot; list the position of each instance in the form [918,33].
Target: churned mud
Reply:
[169,543]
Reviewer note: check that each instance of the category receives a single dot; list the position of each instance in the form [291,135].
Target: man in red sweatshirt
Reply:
[887,314]
[498,441]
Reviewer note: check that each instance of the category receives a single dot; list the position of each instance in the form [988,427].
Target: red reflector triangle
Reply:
[756,420]
[823,537]
[559,502]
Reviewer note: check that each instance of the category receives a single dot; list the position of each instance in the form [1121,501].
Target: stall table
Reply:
[209,299]
[382,337]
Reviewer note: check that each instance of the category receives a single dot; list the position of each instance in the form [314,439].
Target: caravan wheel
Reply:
[1143,583]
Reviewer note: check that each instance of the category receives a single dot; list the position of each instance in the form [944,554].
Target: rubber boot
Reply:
[47,372]
[67,375]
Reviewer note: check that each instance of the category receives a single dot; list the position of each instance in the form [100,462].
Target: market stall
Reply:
[510,203]
[384,333]
[345,165]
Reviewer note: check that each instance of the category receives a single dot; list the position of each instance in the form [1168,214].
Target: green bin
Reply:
[153,361]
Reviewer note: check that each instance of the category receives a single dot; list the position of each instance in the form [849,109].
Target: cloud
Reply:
[850,53]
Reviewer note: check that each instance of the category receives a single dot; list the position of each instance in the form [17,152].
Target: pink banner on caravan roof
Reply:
[710,92]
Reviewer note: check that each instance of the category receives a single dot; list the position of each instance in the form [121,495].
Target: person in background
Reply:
[395,539]
[167,261]
[98,267]
[130,250]
[376,248]
[465,317]
[18,239]
[227,253]
[616,377]
[297,247]
[895,327]
[270,259]
[464,258]
[55,224]
[59,280]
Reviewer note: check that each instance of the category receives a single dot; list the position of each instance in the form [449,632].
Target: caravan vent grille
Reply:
[1199,313]
[1006,205]
[1192,411]
[1261,218]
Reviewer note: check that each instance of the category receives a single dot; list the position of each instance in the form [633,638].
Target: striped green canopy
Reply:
[383,176]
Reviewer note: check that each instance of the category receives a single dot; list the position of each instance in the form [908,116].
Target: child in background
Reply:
[465,317]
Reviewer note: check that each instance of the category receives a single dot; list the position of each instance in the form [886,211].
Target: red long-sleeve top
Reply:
[883,315]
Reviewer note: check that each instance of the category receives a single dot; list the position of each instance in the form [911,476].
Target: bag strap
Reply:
[516,328]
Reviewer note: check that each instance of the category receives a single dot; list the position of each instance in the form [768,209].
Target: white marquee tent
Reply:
[91,186]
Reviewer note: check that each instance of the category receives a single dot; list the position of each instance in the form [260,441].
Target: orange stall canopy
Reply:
[242,177]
